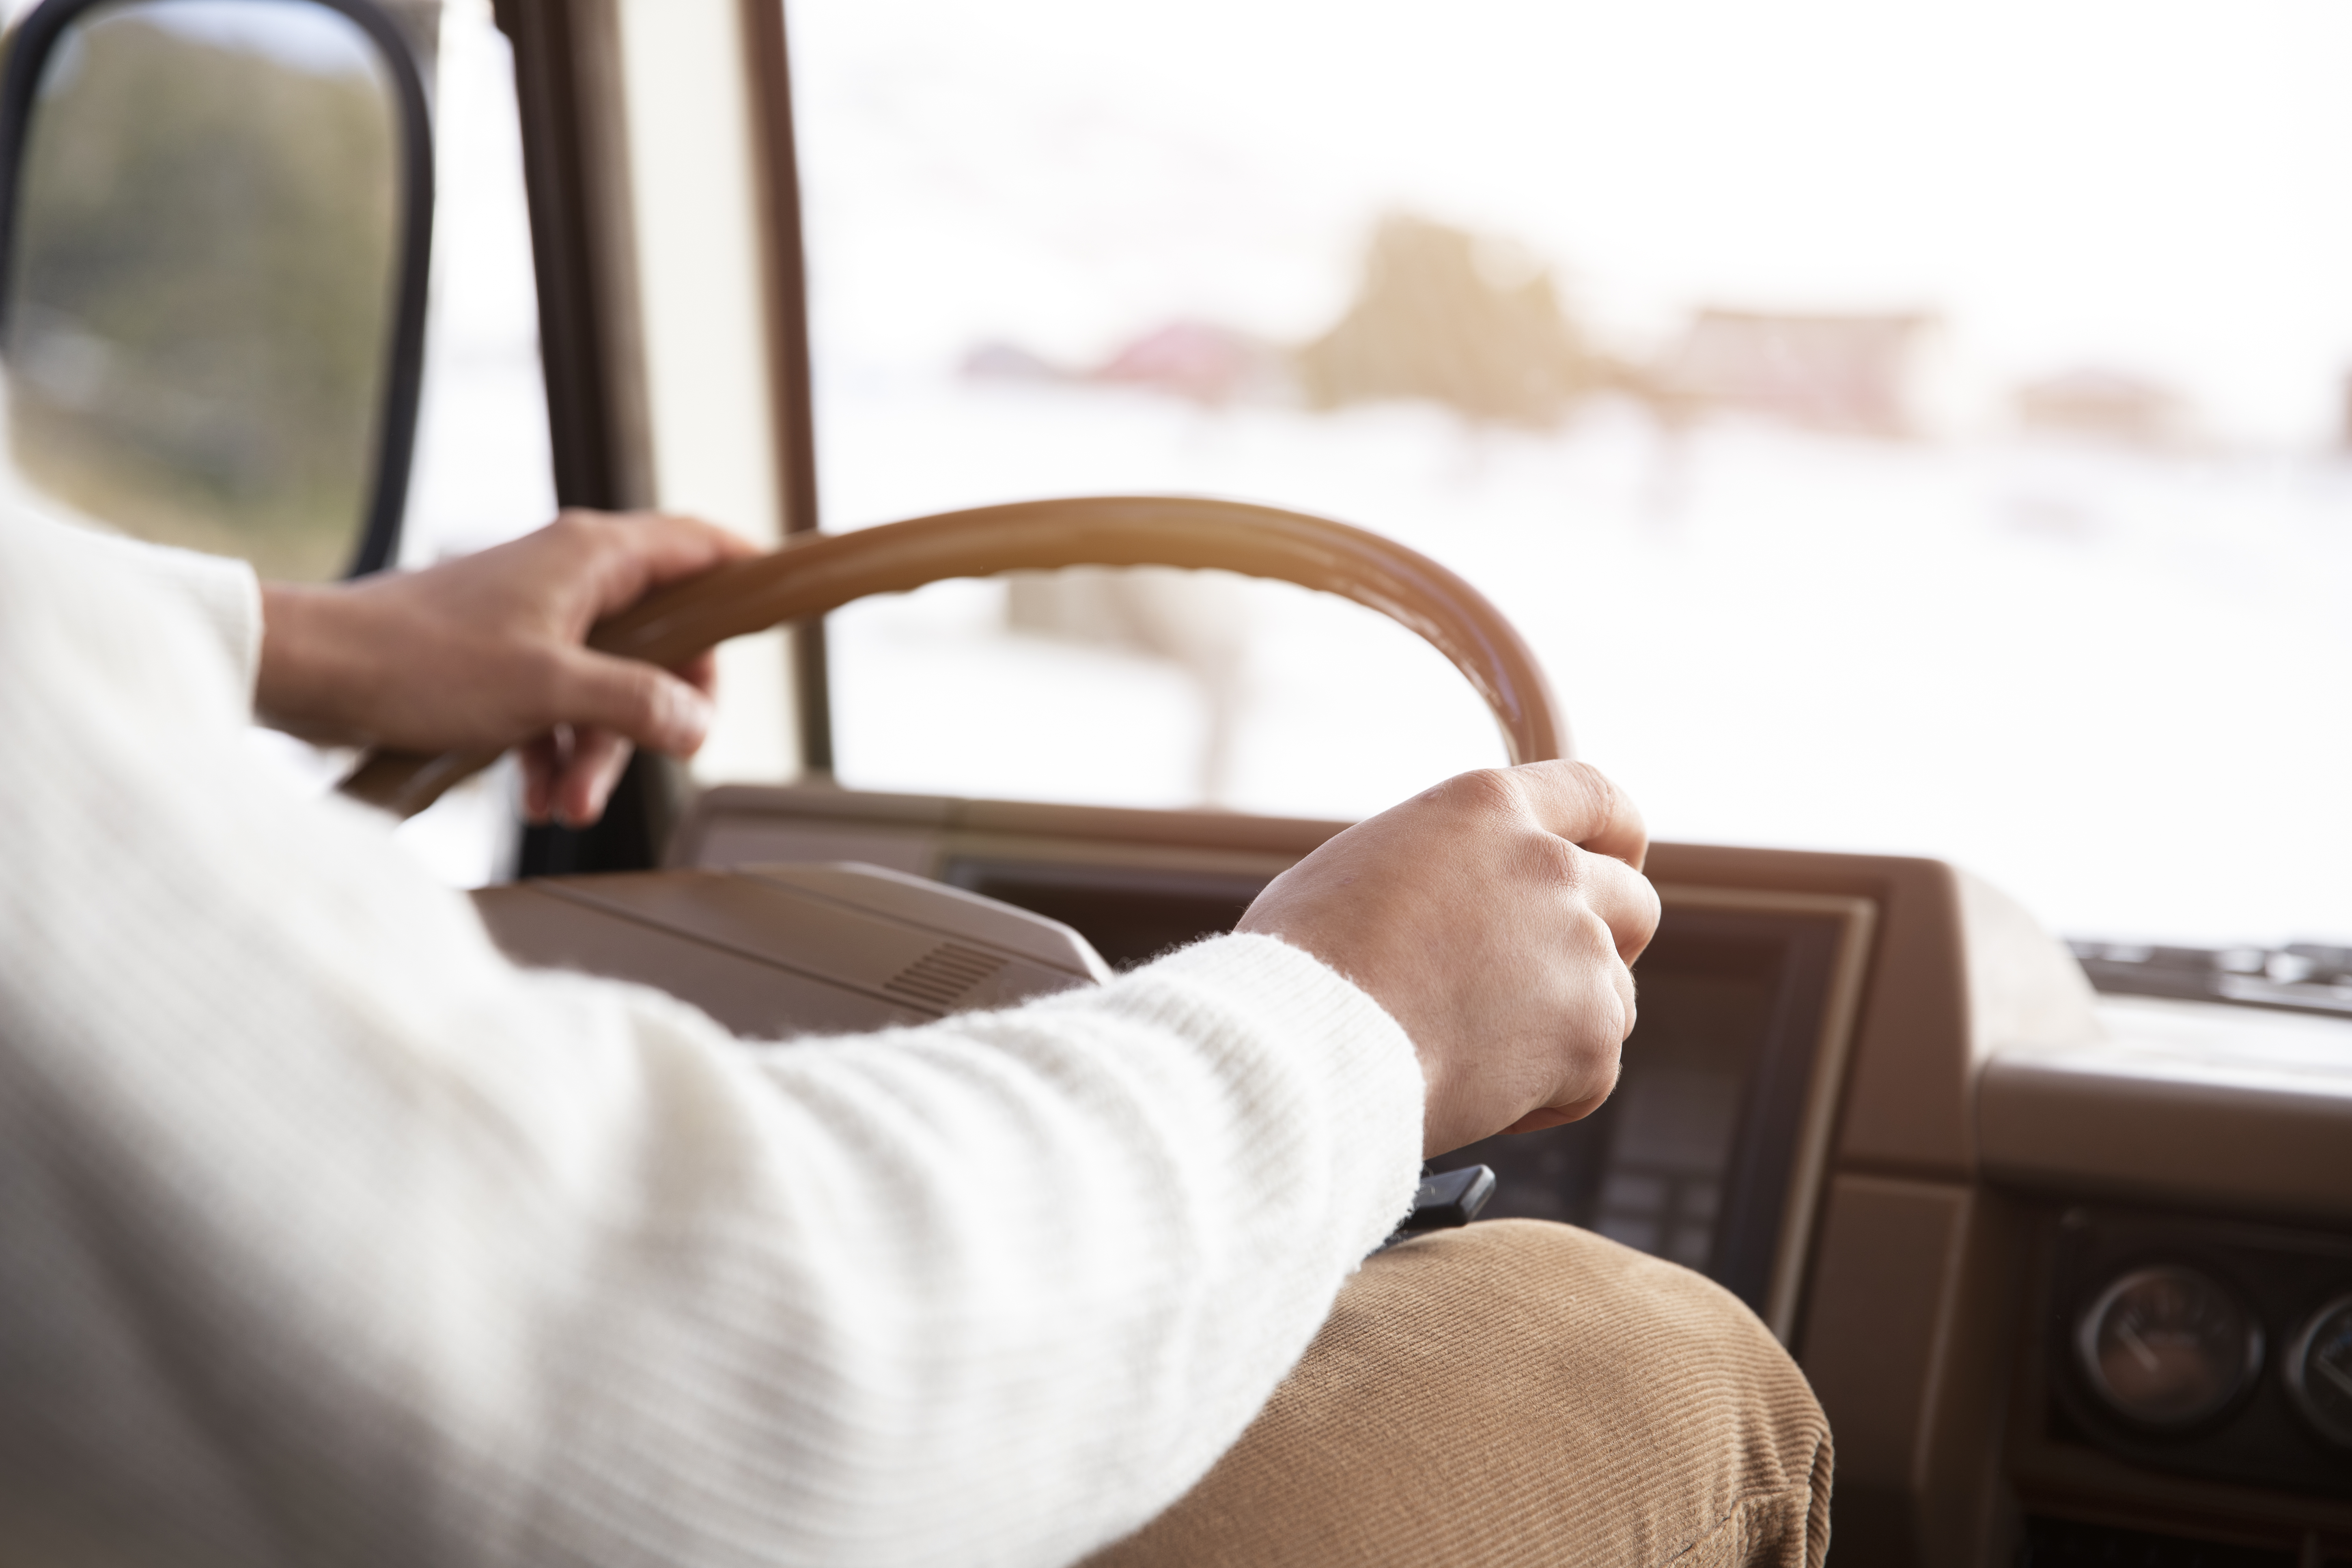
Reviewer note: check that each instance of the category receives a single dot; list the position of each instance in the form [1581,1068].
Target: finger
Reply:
[701,671]
[589,777]
[1622,898]
[542,761]
[647,548]
[649,706]
[1559,1115]
[1621,979]
[1592,1086]
[1600,1013]
[1580,804]
[672,545]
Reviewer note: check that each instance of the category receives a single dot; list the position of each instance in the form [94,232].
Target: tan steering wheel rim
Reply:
[817,572]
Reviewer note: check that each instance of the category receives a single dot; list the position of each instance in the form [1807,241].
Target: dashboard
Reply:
[2070,1271]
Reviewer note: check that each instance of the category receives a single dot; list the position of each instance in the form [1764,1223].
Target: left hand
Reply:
[484,652]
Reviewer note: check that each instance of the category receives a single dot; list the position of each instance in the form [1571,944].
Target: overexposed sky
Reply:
[2165,187]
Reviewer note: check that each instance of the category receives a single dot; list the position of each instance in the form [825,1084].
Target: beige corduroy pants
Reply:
[1519,1392]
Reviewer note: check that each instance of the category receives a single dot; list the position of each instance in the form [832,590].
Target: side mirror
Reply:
[215,217]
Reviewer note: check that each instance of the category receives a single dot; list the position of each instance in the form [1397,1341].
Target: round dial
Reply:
[2319,1369]
[2167,1346]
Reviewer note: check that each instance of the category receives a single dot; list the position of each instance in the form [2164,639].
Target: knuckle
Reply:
[546,685]
[641,692]
[1607,991]
[1603,802]
[582,529]
[1561,865]
[1597,1049]
[1596,944]
[1609,805]
[1481,790]
[1610,1018]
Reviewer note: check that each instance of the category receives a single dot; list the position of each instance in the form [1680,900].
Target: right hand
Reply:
[1494,917]
[485,651]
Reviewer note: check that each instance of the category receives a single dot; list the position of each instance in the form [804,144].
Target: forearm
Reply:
[604,1284]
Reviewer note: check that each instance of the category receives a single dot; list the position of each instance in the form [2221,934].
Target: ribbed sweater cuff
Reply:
[1371,1074]
[229,597]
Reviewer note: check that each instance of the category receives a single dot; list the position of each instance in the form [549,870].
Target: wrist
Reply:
[302,682]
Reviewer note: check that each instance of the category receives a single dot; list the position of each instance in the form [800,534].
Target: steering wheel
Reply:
[815,573]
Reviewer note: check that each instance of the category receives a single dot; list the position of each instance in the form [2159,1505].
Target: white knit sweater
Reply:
[327,1236]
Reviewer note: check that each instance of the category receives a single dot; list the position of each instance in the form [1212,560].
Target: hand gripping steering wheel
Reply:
[815,573]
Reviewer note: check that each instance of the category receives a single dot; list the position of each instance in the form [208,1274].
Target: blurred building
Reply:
[1863,375]
[1197,360]
[1203,362]
[2108,406]
[1460,319]
[997,359]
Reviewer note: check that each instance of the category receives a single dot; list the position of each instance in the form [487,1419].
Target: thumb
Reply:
[649,705]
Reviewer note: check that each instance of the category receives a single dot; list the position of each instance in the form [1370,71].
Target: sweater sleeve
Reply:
[333,1236]
[219,595]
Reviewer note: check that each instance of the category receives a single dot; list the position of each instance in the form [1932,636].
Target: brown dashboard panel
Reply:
[780,952]
[1955,969]
[2188,1101]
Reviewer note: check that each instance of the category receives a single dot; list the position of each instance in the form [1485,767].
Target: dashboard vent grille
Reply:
[944,975]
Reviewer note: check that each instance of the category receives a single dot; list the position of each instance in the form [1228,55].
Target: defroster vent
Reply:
[944,977]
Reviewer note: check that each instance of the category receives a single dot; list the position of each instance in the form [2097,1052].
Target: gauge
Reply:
[2319,1369]
[2167,1346]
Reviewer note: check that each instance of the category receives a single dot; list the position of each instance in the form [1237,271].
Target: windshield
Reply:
[1914,428]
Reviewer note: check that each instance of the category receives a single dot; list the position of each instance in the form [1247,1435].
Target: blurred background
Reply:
[1915,428]
[1921,428]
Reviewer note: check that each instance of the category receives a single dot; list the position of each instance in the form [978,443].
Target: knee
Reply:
[1649,1381]
[1520,1391]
